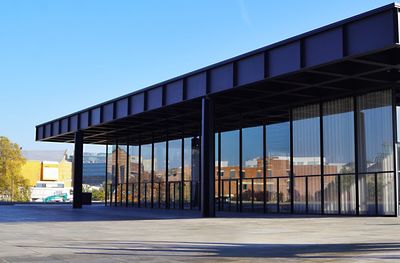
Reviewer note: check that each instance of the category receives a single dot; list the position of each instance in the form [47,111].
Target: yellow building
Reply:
[47,166]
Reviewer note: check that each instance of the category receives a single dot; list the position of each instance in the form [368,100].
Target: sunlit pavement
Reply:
[56,233]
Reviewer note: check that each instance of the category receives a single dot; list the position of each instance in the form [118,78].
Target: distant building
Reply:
[94,173]
[49,174]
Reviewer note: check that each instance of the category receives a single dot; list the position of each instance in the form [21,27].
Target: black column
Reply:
[207,158]
[78,160]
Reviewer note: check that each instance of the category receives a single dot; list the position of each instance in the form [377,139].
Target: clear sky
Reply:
[57,57]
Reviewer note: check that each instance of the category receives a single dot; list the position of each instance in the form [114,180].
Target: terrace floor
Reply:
[56,233]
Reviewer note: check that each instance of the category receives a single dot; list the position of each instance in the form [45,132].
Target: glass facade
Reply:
[133,176]
[277,158]
[307,159]
[229,171]
[252,169]
[339,157]
[191,173]
[160,176]
[332,157]
[174,174]
[146,175]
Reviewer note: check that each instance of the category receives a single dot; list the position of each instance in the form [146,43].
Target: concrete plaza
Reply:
[56,233]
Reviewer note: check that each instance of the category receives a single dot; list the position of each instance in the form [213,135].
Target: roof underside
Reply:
[350,57]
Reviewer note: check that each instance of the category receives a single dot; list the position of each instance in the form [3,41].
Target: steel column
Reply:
[207,158]
[78,170]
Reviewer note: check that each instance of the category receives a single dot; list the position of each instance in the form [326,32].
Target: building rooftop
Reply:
[49,156]
[347,57]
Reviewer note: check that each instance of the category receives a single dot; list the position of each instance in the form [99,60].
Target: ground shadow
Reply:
[370,251]
[65,213]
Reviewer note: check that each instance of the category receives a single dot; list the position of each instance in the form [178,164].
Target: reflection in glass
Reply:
[159,190]
[133,177]
[110,173]
[122,159]
[306,158]
[278,167]
[174,172]
[192,172]
[145,185]
[230,179]
[338,121]
[375,151]
[252,173]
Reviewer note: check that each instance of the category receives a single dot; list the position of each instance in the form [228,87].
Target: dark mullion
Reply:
[339,195]
[152,175]
[106,183]
[240,168]
[167,187]
[356,142]
[139,193]
[116,174]
[127,174]
[395,139]
[182,192]
[291,161]
[219,173]
[376,192]
[321,145]
[264,169]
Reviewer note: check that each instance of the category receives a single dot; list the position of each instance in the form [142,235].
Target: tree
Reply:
[13,186]
[98,194]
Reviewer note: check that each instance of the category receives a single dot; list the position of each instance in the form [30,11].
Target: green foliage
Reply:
[98,195]
[13,186]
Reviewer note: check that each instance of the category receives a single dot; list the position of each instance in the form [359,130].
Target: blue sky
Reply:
[57,57]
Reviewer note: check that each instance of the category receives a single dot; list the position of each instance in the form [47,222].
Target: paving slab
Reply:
[57,233]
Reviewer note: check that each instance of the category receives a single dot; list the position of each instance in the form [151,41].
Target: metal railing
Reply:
[155,195]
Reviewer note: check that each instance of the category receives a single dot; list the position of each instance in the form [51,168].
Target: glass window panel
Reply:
[386,198]
[284,195]
[375,145]
[133,178]
[218,194]
[145,185]
[278,165]
[306,140]
[159,191]
[122,160]
[230,168]
[111,173]
[252,165]
[192,172]
[338,121]
[278,149]
[347,194]
[272,195]
[300,204]
[314,194]
[175,172]
[331,194]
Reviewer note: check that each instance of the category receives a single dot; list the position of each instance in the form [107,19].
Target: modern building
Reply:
[307,125]
[94,165]
[49,174]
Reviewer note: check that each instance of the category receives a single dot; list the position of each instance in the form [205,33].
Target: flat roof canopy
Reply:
[349,57]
